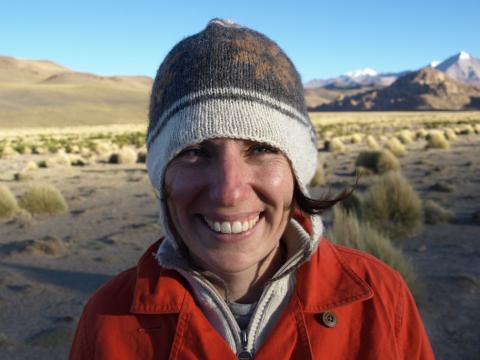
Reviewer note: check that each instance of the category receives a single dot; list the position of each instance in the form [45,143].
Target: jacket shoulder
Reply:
[365,265]
[120,288]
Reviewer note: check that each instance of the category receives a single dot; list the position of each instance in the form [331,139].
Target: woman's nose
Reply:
[229,183]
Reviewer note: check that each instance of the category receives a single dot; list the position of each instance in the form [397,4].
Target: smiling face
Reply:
[229,201]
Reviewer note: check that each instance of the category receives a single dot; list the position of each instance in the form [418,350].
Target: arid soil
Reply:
[112,218]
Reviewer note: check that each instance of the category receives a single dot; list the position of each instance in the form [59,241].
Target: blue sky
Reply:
[323,38]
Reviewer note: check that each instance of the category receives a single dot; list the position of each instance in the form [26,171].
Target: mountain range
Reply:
[453,84]
[42,93]
[462,67]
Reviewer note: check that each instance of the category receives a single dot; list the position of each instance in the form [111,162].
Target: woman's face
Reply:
[229,201]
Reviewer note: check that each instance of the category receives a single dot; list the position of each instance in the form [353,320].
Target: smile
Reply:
[231,227]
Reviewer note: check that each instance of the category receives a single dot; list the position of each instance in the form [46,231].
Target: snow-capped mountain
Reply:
[354,79]
[462,67]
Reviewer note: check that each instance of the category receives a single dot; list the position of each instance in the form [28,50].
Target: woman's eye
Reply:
[193,153]
[263,149]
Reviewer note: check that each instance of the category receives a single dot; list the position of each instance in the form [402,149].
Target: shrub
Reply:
[136,139]
[421,134]
[26,172]
[434,213]
[352,205]
[347,230]
[9,151]
[334,145]
[450,134]
[40,150]
[467,130]
[356,138]
[436,140]
[393,207]
[378,161]
[23,218]
[372,143]
[319,177]
[125,155]
[406,136]
[77,160]
[61,159]
[142,156]
[102,147]
[396,147]
[43,199]
[8,203]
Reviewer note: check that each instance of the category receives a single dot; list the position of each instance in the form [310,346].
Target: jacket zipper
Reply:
[244,354]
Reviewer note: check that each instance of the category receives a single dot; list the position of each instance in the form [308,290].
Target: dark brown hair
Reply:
[317,206]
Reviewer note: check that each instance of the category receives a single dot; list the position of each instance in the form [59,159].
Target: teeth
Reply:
[235,227]
[226,228]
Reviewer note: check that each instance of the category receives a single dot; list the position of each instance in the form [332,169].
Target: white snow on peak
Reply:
[464,55]
[361,72]
[434,63]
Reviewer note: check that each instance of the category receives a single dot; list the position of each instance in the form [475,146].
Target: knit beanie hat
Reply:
[228,81]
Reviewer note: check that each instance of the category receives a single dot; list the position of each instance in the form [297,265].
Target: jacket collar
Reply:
[324,282]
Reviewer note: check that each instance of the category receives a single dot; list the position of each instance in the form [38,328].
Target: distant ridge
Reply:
[425,89]
[35,93]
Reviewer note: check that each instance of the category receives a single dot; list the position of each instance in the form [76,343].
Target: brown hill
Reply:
[425,89]
[41,93]
[16,70]
[318,96]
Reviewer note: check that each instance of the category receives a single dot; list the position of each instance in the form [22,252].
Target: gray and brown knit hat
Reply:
[228,81]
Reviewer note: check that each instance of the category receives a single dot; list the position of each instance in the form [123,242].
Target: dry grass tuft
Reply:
[8,203]
[352,205]
[372,143]
[43,199]
[347,230]
[77,160]
[334,145]
[378,161]
[466,130]
[396,147]
[356,138]
[26,172]
[392,206]
[23,218]
[142,156]
[406,137]
[436,140]
[450,134]
[126,155]
[319,177]
[8,151]
[421,134]
[434,213]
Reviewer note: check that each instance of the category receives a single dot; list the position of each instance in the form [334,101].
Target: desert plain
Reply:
[50,264]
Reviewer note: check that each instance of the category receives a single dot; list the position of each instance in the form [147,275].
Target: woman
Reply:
[243,271]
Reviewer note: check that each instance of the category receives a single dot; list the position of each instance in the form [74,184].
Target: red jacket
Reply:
[346,305]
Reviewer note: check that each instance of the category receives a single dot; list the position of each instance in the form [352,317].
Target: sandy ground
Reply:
[112,218]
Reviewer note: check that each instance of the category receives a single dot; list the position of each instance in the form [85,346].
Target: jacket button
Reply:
[329,319]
